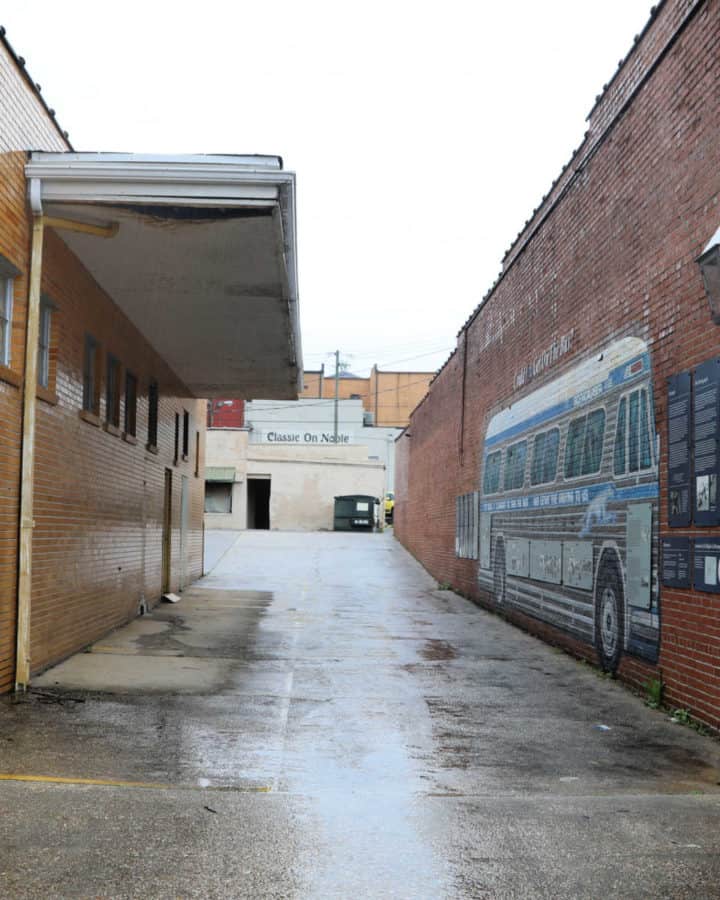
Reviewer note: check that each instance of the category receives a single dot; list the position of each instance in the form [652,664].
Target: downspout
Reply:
[22,661]
[27,494]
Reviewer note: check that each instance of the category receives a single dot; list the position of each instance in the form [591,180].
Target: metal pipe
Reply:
[337,391]
[22,661]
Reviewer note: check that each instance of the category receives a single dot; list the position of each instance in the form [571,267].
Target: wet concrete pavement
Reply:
[315,719]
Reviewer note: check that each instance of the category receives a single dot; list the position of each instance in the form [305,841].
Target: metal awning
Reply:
[203,259]
[219,473]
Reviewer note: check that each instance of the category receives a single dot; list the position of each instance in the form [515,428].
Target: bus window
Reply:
[545,454]
[573,447]
[594,434]
[491,481]
[633,432]
[645,446]
[515,466]
[620,438]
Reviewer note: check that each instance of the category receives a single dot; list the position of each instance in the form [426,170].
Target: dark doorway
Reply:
[258,503]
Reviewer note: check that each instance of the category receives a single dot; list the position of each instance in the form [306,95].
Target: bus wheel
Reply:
[609,616]
[499,573]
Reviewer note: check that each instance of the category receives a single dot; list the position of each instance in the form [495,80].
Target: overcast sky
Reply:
[422,134]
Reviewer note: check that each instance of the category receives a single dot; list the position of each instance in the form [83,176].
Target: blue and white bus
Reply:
[569,504]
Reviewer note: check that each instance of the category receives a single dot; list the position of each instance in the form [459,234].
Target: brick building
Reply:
[563,467]
[140,285]
[388,397]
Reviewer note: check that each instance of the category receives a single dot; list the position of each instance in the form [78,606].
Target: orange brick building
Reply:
[389,397]
[132,281]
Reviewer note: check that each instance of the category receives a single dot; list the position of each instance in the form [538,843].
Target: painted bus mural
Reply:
[568,522]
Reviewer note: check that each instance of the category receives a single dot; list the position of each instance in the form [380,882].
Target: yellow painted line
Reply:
[109,782]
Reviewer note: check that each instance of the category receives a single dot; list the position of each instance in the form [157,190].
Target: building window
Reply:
[152,414]
[466,526]
[90,382]
[130,404]
[197,454]
[177,437]
[6,307]
[218,497]
[186,435]
[44,344]
[112,392]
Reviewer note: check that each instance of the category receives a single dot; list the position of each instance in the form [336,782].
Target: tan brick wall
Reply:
[97,544]
[14,238]
[97,547]
[389,396]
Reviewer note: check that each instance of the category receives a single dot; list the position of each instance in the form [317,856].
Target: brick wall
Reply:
[24,123]
[610,253]
[226,413]
[99,499]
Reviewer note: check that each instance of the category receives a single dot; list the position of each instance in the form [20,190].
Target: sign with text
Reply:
[679,450]
[706,400]
[706,568]
[676,562]
[287,436]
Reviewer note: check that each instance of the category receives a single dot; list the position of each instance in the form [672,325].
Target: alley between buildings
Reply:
[316,718]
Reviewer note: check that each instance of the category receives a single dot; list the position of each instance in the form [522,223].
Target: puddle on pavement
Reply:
[438,650]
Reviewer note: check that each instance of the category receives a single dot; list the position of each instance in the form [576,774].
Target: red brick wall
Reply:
[226,414]
[612,252]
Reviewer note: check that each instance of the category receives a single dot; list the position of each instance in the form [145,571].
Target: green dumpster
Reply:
[355,512]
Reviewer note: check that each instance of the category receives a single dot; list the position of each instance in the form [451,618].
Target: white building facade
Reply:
[285,467]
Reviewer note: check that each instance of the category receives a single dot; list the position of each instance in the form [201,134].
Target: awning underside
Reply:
[209,293]
[202,262]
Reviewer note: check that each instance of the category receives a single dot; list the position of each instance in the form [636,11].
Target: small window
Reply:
[645,444]
[584,445]
[218,497]
[152,414]
[177,437]
[466,526]
[620,437]
[545,456]
[197,453]
[112,391]
[90,383]
[593,445]
[186,435]
[6,307]
[44,344]
[573,447]
[633,444]
[491,480]
[515,466]
[130,404]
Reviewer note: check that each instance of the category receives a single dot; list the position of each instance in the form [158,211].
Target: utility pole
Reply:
[337,391]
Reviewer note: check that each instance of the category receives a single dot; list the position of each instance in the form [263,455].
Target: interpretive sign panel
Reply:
[679,455]
[706,566]
[676,562]
[705,432]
